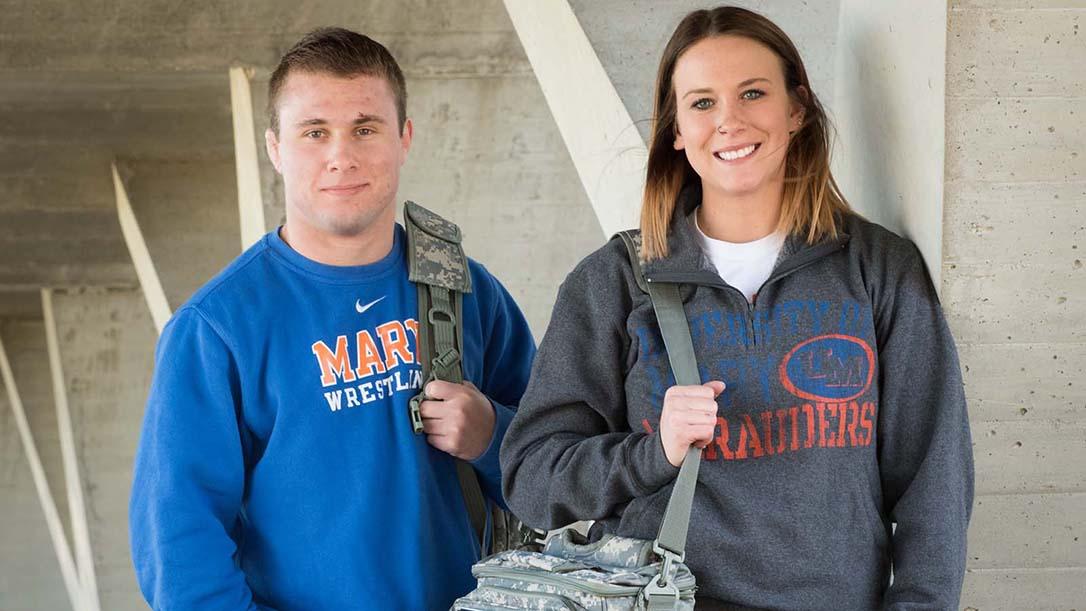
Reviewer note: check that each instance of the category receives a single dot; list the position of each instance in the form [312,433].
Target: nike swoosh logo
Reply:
[362,308]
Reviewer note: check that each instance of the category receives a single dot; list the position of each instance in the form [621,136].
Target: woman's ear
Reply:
[678,143]
[798,109]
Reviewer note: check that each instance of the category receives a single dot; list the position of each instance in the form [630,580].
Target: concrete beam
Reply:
[436,40]
[145,267]
[188,216]
[32,276]
[246,159]
[197,132]
[602,140]
[20,304]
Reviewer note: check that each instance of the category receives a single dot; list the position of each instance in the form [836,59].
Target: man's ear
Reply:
[406,135]
[271,143]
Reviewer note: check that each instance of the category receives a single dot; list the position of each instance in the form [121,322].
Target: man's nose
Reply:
[342,156]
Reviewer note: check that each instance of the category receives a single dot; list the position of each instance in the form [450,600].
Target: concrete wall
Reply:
[106,339]
[629,38]
[1013,290]
[107,342]
[486,153]
[888,107]
[29,571]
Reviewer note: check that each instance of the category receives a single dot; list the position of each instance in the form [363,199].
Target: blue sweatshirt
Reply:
[277,468]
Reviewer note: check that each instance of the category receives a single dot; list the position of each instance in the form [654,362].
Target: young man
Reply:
[278,468]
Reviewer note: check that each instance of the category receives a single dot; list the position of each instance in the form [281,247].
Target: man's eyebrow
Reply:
[364,118]
[359,120]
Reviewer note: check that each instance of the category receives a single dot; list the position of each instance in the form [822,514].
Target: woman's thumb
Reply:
[717,386]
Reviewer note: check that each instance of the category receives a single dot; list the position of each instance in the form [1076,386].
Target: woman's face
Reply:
[734,116]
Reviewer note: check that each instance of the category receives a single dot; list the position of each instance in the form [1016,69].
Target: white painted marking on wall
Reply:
[141,258]
[250,204]
[76,507]
[602,140]
[45,497]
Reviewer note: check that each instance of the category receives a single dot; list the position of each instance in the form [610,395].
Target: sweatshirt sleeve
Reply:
[925,449]
[190,475]
[507,361]
[570,453]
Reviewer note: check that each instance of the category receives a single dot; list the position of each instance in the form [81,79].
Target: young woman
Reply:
[832,407]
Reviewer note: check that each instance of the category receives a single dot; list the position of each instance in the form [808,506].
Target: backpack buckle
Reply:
[416,413]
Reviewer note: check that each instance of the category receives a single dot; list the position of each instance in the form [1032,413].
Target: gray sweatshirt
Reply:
[844,413]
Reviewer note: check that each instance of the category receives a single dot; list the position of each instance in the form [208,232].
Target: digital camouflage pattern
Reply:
[604,576]
[435,255]
[621,552]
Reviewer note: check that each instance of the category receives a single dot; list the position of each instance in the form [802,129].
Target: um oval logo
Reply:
[829,368]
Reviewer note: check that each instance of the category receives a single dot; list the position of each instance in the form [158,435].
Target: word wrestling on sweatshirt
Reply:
[372,365]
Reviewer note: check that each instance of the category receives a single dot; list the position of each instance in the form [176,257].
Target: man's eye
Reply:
[363,131]
[702,104]
[752,94]
[314,134]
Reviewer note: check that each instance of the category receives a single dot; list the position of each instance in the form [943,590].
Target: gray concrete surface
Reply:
[1013,290]
[629,38]
[146,83]
[29,571]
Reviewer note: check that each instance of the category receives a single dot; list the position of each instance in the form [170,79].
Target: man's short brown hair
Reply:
[339,52]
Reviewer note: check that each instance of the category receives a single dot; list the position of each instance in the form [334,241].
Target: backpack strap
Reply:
[670,543]
[439,268]
[632,239]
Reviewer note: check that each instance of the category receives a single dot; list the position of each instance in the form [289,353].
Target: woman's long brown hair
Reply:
[811,203]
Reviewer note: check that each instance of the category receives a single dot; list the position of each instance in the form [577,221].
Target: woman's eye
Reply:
[702,104]
[752,94]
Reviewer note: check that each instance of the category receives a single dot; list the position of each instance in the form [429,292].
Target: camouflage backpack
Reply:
[614,573]
[438,267]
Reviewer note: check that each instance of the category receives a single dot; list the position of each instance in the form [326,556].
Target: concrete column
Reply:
[108,359]
[888,108]
[606,149]
[250,206]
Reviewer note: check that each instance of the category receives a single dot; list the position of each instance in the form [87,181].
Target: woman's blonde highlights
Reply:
[812,204]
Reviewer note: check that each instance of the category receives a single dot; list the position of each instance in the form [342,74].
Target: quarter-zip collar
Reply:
[686,262]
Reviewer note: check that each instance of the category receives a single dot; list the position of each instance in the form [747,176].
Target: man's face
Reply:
[339,150]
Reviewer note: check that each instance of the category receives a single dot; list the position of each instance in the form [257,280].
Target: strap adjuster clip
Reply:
[416,412]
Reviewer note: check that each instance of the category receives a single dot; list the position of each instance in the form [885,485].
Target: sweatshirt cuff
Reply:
[651,469]
[487,463]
